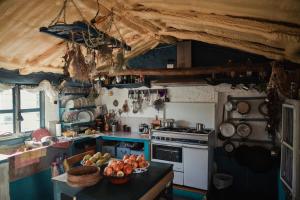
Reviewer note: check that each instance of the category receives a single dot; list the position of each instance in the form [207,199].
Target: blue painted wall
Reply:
[155,58]
[36,187]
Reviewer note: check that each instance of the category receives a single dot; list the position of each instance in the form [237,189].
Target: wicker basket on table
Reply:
[83,176]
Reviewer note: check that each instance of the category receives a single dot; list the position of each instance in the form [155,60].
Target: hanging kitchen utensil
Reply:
[228,146]
[227,129]
[243,107]
[263,108]
[125,107]
[115,102]
[243,130]
[230,106]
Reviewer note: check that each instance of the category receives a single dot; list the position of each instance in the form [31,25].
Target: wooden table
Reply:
[146,186]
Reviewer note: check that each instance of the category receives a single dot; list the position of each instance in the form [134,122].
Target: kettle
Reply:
[144,128]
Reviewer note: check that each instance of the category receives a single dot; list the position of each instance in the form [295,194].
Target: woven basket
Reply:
[83,176]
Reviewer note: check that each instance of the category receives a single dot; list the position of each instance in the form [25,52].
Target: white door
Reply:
[195,162]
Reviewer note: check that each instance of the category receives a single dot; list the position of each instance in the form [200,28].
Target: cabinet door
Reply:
[195,168]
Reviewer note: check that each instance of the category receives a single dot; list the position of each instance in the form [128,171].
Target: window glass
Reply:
[6,100]
[6,123]
[29,99]
[31,121]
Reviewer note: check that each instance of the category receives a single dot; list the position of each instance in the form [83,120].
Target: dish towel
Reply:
[4,183]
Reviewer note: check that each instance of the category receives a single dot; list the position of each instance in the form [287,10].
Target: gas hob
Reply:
[181,135]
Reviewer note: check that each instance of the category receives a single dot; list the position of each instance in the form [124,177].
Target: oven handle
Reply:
[167,144]
[196,146]
[179,145]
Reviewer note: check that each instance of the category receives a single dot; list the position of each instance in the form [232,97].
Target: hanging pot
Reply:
[230,106]
[243,107]
[263,109]
[229,147]
[243,130]
[227,129]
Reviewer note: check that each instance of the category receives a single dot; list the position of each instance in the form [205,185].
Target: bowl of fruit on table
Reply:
[98,159]
[138,163]
[118,172]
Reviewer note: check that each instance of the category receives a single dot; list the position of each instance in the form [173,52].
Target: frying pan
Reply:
[243,130]
[229,147]
[227,129]
[243,107]
[263,109]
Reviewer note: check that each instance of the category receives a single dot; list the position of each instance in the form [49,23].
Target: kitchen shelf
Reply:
[71,124]
[127,85]
[75,94]
[249,119]
[81,108]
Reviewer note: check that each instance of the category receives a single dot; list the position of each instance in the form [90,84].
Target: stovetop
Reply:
[183,130]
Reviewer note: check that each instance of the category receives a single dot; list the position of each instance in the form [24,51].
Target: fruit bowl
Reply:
[142,169]
[118,180]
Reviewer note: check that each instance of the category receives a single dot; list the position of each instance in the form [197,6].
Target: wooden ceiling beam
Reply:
[191,71]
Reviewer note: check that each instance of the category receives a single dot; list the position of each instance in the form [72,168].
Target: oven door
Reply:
[167,153]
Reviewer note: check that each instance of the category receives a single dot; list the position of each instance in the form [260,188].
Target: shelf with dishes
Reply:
[78,109]
[72,124]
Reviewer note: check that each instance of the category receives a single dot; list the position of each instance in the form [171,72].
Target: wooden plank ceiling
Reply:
[265,27]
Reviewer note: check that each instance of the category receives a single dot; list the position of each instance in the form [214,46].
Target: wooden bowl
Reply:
[83,176]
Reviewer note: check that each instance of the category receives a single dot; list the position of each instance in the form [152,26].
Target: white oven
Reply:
[169,153]
[190,162]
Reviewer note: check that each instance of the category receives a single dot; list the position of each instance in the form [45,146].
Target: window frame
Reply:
[16,96]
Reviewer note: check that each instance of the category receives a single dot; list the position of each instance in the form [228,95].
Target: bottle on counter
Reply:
[54,169]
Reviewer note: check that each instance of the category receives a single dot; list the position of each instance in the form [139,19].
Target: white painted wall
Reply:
[189,104]
[51,111]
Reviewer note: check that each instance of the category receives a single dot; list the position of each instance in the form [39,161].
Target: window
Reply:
[6,111]
[20,110]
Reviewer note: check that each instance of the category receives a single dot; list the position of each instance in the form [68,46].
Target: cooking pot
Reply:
[200,127]
[168,123]
[243,107]
[243,130]
[143,128]
[227,129]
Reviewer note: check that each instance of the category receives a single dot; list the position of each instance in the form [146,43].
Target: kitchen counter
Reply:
[128,135]
[4,158]
[145,186]
[119,134]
